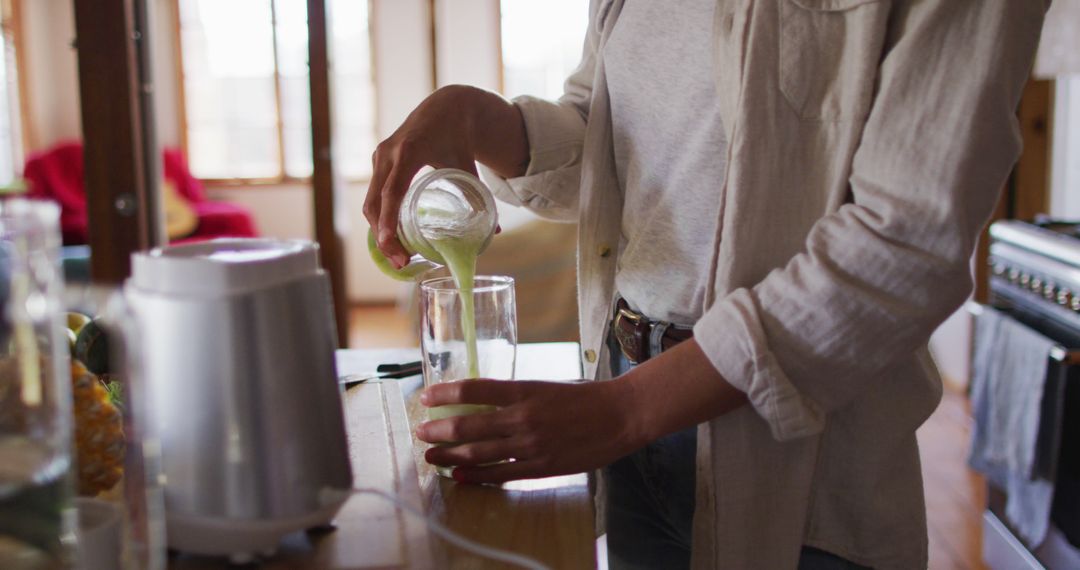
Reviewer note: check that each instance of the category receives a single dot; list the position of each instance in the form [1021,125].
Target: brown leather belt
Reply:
[633,330]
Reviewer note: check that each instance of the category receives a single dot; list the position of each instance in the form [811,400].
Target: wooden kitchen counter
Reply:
[550,520]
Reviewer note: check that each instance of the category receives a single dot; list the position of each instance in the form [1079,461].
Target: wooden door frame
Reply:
[1027,192]
[323,177]
[113,91]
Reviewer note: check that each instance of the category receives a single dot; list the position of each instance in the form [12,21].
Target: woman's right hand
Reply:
[449,129]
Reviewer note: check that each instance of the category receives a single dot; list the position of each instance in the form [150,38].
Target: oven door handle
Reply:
[1058,353]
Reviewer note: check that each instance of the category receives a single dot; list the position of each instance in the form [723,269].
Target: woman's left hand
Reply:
[547,428]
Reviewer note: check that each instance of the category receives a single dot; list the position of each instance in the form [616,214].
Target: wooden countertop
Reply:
[550,520]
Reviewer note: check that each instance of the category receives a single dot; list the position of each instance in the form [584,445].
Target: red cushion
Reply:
[222,219]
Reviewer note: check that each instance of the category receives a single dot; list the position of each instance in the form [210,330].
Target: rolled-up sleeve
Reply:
[556,133]
[881,273]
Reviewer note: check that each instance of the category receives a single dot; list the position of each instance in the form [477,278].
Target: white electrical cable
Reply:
[453,537]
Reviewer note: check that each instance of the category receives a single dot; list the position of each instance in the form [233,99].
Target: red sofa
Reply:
[57,174]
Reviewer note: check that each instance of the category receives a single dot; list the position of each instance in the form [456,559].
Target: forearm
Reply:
[496,131]
[676,390]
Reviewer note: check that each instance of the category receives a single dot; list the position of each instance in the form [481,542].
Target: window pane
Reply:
[10,132]
[353,88]
[229,88]
[229,58]
[1065,165]
[541,44]
[235,152]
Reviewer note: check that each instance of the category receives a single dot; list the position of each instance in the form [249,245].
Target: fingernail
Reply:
[401,260]
[458,475]
[424,398]
[421,431]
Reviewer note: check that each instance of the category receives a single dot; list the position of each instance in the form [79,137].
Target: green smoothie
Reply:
[448,229]
[460,253]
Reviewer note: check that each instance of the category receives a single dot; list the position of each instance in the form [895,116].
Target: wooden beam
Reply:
[1031,177]
[110,89]
[323,180]
[1028,191]
[153,172]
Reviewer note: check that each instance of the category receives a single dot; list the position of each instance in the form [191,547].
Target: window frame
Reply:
[282,178]
[13,26]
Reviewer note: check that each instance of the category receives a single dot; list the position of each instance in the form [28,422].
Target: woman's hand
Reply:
[453,128]
[555,429]
[548,428]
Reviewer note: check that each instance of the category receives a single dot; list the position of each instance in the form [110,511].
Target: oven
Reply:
[1035,279]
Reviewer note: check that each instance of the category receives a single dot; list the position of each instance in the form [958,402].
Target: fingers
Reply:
[488,392]
[470,453]
[469,165]
[393,192]
[503,472]
[467,428]
[372,208]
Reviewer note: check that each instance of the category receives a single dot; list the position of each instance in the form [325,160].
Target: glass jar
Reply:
[37,520]
[440,203]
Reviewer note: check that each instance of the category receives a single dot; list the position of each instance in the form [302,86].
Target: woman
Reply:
[777,201]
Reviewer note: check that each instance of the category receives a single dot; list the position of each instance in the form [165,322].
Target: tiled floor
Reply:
[954,495]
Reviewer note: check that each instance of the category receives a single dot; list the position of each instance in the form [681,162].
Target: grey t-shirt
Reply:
[670,152]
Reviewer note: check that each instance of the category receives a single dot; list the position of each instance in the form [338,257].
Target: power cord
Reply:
[452,537]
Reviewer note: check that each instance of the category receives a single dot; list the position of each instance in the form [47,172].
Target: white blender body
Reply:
[239,347]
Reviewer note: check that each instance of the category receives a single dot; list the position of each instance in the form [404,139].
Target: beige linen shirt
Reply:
[868,141]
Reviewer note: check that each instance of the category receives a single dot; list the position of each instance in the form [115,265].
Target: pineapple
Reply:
[99,436]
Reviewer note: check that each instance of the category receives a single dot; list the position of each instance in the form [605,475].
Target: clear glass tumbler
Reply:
[37,518]
[445,343]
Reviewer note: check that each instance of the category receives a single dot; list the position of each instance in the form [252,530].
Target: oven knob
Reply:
[1074,303]
[1014,275]
[1000,269]
[1064,297]
[1049,291]
[1036,285]
[1024,279]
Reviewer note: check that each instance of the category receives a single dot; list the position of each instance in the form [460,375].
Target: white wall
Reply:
[51,72]
[951,348]
[467,41]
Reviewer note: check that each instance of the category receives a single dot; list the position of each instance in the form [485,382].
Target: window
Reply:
[541,44]
[10,124]
[246,91]
[1065,164]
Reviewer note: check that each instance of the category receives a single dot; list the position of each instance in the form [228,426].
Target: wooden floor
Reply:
[380,326]
[954,495]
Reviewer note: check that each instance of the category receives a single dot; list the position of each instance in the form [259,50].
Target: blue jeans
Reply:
[651,499]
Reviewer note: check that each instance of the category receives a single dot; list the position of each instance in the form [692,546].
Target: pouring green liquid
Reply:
[460,253]
[447,218]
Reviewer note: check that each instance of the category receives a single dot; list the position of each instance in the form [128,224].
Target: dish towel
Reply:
[1017,412]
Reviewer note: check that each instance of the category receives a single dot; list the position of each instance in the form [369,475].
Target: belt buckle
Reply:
[632,344]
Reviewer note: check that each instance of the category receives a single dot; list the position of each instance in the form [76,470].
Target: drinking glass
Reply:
[37,518]
[444,327]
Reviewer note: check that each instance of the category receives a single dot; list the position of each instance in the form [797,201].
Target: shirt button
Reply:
[604,251]
[590,356]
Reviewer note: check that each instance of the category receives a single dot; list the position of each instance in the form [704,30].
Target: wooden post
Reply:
[1028,190]
[323,180]
[115,145]
[1031,178]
